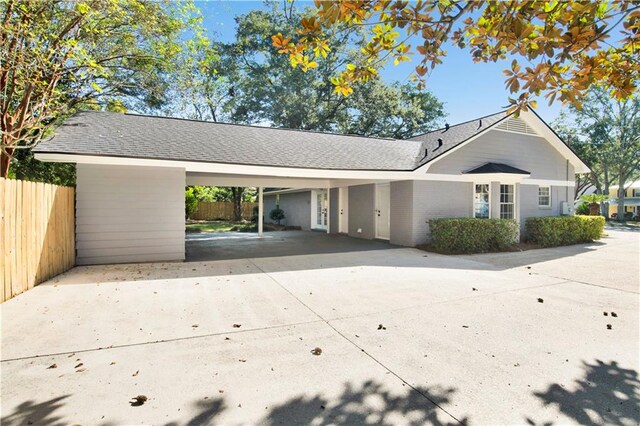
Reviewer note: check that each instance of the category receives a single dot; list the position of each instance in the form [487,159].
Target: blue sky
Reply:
[469,90]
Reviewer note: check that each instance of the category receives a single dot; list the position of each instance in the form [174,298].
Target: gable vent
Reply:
[516,125]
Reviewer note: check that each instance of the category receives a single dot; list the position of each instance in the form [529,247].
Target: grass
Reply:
[212,226]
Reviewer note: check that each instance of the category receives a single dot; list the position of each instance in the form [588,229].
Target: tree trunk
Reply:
[237,203]
[621,182]
[594,209]
[5,161]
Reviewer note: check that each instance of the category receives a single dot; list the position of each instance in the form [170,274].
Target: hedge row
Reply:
[470,235]
[563,230]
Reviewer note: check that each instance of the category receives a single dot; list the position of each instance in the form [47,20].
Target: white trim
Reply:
[375,207]
[517,133]
[473,199]
[287,191]
[343,210]
[314,209]
[544,206]
[500,203]
[548,182]
[260,213]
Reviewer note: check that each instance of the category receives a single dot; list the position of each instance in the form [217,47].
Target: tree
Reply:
[606,133]
[246,81]
[568,44]
[57,56]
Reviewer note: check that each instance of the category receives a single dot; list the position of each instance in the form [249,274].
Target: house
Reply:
[132,170]
[631,199]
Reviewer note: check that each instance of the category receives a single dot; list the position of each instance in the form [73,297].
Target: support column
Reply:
[328,210]
[260,212]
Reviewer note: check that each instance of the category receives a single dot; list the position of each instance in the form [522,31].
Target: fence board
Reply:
[221,210]
[38,234]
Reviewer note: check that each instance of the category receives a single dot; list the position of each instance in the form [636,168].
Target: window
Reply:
[544,196]
[636,193]
[507,210]
[481,201]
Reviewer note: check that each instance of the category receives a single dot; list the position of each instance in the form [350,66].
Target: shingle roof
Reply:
[497,168]
[139,136]
[454,136]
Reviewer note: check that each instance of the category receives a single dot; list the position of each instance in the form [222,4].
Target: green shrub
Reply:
[190,202]
[277,214]
[470,235]
[583,209]
[563,230]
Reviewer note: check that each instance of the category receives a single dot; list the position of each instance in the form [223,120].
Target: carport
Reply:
[132,171]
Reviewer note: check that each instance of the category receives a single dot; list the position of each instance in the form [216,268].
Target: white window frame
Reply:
[473,198]
[544,206]
[512,203]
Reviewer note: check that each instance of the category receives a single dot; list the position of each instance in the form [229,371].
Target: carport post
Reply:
[260,212]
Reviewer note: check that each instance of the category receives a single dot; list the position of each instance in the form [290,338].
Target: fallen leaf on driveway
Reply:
[80,370]
[381,327]
[606,314]
[613,314]
[195,326]
[316,351]
[242,360]
[53,366]
[138,400]
[237,325]
[79,365]
[474,289]
[540,300]
[136,373]
[609,326]
[465,326]
[112,363]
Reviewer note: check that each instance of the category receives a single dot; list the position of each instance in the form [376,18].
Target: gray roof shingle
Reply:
[454,136]
[138,136]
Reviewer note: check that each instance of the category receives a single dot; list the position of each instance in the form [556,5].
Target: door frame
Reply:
[314,210]
[343,210]
[375,211]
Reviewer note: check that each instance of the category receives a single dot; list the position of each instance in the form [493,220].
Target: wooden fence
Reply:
[221,210]
[37,234]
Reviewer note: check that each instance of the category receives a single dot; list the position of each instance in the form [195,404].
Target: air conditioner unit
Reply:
[566,208]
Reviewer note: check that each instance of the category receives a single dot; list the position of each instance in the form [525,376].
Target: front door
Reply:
[382,211]
[343,210]
[319,209]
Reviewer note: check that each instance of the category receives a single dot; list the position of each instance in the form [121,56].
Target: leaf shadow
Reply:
[606,394]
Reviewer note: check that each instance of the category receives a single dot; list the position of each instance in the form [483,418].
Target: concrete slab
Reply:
[245,245]
[405,339]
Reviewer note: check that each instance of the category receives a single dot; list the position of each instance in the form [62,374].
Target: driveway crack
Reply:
[362,350]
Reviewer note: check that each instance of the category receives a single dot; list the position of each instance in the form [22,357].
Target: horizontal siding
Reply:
[148,256]
[129,214]
[531,153]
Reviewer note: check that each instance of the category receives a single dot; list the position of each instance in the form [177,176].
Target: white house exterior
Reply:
[132,171]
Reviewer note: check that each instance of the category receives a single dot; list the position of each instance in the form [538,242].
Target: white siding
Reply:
[129,214]
[527,152]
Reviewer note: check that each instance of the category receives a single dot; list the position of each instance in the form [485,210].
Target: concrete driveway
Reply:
[406,337]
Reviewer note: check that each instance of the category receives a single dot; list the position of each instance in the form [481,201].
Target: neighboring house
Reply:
[631,199]
[132,169]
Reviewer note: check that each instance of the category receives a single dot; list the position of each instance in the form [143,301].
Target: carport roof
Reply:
[109,134]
